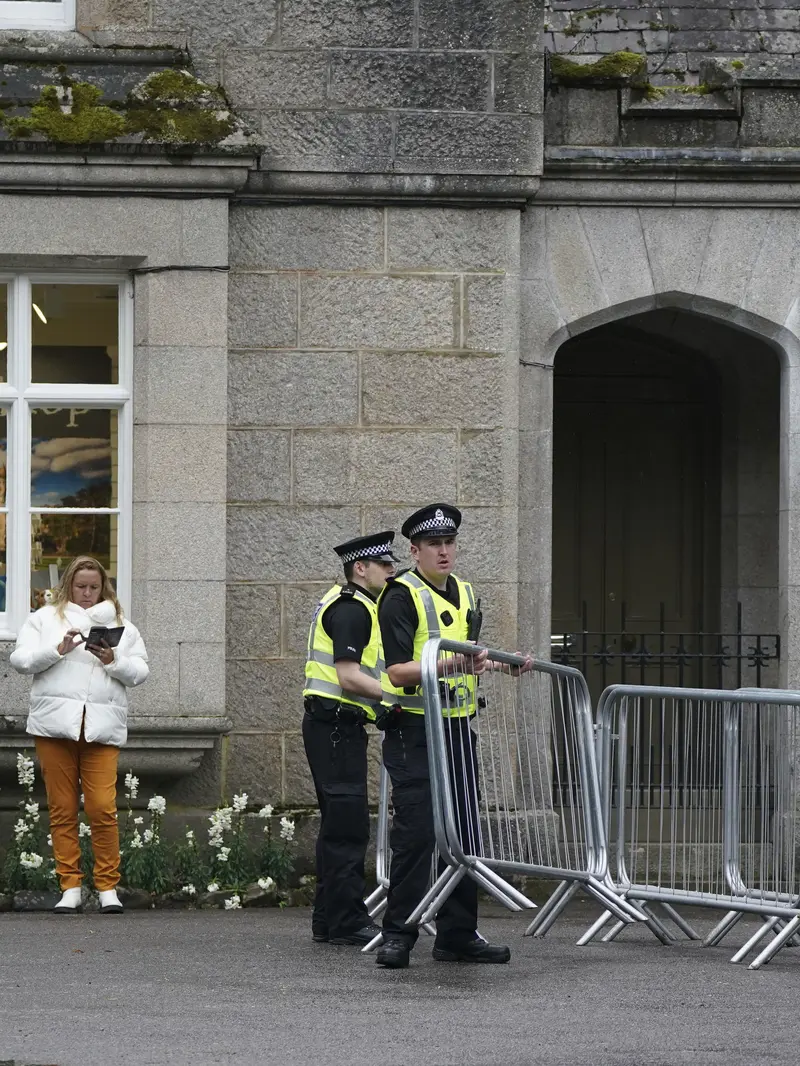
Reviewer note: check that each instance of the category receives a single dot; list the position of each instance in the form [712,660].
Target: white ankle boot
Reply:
[70,902]
[109,902]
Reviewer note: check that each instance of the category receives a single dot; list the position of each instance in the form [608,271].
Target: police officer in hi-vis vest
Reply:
[343,671]
[427,601]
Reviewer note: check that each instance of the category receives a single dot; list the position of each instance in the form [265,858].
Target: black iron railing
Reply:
[702,659]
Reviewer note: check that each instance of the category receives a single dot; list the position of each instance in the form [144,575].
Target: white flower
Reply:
[240,803]
[287,829]
[81,799]
[190,834]
[49,840]
[233,904]
[138,821]
[131,785]
[213,887]
[30,860]
[20,829]
[84,830]
[147,835]
[223,854]
[189,890]
[157,804]
[32,809]
[136,842]
[265,883]
[265,812]
[25,771]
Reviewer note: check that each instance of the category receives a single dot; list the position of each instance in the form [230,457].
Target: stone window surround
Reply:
[19,402]
[37,14]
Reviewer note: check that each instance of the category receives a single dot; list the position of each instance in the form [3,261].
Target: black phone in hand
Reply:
[98,634]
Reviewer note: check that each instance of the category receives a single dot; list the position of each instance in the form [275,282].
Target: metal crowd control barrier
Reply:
[700,797]
[516,791]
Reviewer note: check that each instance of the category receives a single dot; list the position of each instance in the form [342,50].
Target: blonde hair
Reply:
[63,593]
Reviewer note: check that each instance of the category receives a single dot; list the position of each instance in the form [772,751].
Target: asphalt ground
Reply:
[249,987]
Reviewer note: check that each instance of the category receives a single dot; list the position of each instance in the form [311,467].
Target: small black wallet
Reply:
[112,637]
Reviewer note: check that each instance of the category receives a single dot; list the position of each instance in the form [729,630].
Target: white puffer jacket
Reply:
[63,685]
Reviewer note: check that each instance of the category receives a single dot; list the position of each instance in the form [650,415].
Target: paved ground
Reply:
[249,988]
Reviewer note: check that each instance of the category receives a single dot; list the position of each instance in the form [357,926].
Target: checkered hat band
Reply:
[364,553]
[432,523]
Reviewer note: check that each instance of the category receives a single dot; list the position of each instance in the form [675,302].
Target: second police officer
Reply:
[343,671]
[427,601]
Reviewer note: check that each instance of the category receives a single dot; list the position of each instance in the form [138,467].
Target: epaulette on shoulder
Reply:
[348,590]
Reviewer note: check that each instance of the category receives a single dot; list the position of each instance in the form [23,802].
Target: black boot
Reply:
[319,933]
[393,954]
[359,937]
[473,951]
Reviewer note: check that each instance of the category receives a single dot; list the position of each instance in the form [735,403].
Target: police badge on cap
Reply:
[435,520]
[377,547]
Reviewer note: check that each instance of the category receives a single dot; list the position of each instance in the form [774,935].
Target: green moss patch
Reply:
[618,67]
[73,117]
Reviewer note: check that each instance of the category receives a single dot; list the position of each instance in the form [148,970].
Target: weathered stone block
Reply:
[253,621]
[173,540]
[487,323]
[307,238]
[254,765]
[519,82]
[266,694]
[15,688]
[770,118]
[447,82]
[495,24]
[484,460]
[299,604]
[223,22]
[298,787]
[379,312]
[177,308]
[258,465]
[499,606]
[293,389]
[582,116]
[287,543]
[263,311]
[680,133]
[177,610]
[469,144]
[408,389]
[260,79]
[351,466]
[102,14]
[179,464]
[180,386]
[441,238]
[347,23]
[323,140]
[202,677]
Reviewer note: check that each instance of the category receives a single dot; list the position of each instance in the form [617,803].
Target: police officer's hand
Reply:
[476,664]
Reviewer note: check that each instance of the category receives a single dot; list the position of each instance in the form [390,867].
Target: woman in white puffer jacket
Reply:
[78,716]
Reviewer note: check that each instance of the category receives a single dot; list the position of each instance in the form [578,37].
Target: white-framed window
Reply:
[66,368]
[37,14]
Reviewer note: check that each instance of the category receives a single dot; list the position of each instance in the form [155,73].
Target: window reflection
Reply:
[57,538]
[75,332]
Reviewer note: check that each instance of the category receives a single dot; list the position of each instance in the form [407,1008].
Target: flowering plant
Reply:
[28,863]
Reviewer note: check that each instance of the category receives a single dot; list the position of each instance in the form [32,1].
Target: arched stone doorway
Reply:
[666,501]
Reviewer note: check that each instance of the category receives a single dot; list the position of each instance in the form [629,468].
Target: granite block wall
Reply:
[373,367]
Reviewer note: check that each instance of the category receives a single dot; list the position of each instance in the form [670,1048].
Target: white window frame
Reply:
[37,14]
[18,394]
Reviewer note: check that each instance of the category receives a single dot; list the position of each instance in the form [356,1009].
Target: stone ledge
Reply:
[145,176]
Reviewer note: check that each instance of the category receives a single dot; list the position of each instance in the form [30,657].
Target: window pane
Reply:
[73,457]
[75,334]
[57,538]
[3,334]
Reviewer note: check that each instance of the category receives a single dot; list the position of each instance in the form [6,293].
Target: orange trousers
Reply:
[69,767]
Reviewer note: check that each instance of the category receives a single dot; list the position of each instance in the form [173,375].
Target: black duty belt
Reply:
[341,714]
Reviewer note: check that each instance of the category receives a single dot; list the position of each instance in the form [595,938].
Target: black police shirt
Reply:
[349,626]
[398,618]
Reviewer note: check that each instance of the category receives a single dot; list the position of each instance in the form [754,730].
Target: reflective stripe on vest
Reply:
[430,625]
[321,676]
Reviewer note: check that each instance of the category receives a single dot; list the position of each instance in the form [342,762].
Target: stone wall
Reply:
[676,37]
[373,367]
[411,86]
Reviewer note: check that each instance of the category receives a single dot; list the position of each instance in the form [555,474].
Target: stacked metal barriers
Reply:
[701,801]
[517,792]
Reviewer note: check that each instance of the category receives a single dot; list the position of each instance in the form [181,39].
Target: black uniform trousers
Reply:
[340,778]
[405,756]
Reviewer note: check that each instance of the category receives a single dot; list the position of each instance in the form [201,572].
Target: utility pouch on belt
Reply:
[475,622]
[387,718]
[343,713]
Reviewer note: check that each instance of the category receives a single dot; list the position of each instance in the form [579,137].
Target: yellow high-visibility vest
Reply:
[321,676]
[431,607]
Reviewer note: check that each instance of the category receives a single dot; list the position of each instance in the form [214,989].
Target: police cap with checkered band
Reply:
[377,547]
[435,520]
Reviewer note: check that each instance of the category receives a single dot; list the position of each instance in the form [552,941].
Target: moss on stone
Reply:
[737,64]
[173,107]
[87,121]
[177,85]
[615,67]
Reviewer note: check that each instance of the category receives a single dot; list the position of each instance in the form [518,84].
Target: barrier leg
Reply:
[507,890]
[551,910]
[594,929]
[722,928]
[436,894]
[756,938]
[657,927]
[618,905]
[772,949]
[680,921]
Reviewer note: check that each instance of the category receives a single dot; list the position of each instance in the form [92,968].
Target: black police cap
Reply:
[435,520]
[377,547]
